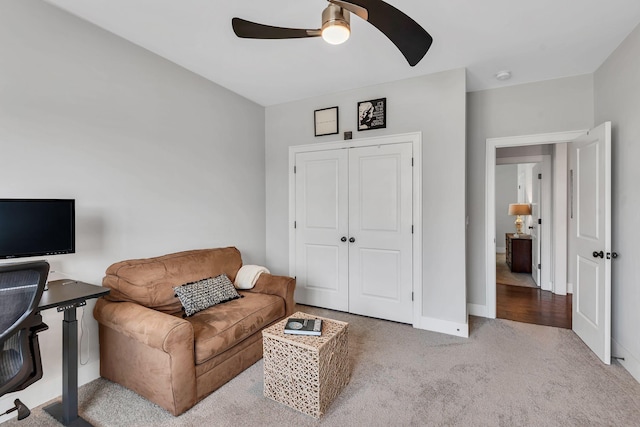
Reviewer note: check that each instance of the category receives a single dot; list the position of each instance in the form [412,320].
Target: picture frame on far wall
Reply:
[372,114]
[325,121]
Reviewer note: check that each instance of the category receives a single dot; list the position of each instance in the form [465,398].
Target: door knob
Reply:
[613,255]
[598,254]
[343,239]
[352,239]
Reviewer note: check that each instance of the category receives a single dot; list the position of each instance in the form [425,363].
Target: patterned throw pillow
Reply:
[205,293]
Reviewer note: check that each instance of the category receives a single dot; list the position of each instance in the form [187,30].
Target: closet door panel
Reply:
[380,220]
[321,222]
[377,196]
[380,269]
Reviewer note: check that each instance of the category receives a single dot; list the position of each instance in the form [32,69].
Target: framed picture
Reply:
[325,121]
[372,114]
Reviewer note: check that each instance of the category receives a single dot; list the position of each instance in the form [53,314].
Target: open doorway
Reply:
[525,179]
[517,255]
[519,267]
[553,230]
[581,225]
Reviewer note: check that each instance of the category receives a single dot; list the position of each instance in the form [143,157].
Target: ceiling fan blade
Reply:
[408,36]
[252,30]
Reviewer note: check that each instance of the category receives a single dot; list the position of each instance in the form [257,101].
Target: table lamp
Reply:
[519,209]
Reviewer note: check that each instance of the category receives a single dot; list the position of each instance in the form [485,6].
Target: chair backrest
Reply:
[21,288]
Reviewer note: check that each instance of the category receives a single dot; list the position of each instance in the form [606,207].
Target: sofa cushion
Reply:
[205,293]
[150,282]
[219,328]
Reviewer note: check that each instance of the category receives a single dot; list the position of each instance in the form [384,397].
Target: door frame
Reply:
[415,138]
[559,269]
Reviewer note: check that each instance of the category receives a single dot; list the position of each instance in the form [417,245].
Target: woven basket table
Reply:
[306,372]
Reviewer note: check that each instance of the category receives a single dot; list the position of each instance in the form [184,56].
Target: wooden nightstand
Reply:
[519,253]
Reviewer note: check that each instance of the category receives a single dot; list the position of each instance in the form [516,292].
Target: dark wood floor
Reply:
[532,305]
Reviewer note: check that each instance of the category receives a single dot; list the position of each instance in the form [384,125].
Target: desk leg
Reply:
[70,366]
[66,412]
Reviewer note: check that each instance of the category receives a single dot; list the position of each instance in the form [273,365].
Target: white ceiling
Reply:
[536,40]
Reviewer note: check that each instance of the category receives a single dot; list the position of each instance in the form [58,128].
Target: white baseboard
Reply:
[444,326]
[630,362]
[477,310]
[569,288]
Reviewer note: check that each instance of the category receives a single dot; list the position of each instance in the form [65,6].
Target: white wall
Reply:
[506,193]
[158,159]
[434,105]
[524,151]
[549,106]
[617,98]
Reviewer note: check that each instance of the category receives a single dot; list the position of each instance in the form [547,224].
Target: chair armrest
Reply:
[150,327]
[41,327]
[282,286]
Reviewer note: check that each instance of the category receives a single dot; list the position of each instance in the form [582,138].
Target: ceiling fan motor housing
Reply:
[335,18]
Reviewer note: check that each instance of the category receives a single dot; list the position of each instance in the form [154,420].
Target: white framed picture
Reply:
[326,121]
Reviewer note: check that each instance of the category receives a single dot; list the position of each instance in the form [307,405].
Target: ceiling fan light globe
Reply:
[335,24]
[336,34]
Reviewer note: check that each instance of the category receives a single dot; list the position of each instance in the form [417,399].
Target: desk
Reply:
[67,295]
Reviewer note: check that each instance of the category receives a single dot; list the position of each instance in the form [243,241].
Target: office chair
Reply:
[21,287]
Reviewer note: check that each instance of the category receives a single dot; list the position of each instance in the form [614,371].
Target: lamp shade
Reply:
[519,209]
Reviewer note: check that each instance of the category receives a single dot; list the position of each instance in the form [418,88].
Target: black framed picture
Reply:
[372,114]
[325,121]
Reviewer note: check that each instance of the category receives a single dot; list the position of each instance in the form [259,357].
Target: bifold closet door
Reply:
[380,232]
[322,258]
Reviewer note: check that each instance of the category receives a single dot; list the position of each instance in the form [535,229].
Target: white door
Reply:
[380,235]
[591,201]
[535,228]
[353,230]
[322,270]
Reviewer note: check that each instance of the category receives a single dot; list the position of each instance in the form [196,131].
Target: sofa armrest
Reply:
[149,352]
[147,326]
[282,286]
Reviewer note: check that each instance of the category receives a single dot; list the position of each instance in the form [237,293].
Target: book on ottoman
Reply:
[303,327]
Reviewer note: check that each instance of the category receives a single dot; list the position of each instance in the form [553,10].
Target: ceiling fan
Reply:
[409,37]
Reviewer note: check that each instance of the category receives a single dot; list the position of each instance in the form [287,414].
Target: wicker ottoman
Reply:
[306,372]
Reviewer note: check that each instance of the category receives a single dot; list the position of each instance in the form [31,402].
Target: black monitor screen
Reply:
[34,227]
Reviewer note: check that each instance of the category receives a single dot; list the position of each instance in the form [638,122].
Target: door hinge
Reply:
[295,224]
[412,229]
[539,221]
[539,266]
[411,296]
[539,176]
[412,162]
[294,169]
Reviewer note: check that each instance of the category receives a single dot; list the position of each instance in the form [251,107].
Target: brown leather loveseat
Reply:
[147,346]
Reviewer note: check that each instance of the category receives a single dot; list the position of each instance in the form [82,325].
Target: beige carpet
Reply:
[505,374]
[504,276]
